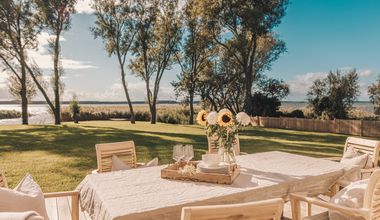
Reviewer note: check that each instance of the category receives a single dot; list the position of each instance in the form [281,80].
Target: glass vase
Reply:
[227,155]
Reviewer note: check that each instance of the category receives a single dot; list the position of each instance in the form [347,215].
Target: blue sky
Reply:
[320,35]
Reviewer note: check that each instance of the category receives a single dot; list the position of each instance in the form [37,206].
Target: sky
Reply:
[320,35]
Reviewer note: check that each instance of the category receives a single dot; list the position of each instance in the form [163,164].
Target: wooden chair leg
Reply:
[309,209]
[296,209]
[75,207]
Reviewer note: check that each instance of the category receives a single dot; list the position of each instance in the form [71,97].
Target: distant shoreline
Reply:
[135,102]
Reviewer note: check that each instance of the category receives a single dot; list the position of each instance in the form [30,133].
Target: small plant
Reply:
[74,109]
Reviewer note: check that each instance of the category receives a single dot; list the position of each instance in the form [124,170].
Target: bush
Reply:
[297,114]
[8,114]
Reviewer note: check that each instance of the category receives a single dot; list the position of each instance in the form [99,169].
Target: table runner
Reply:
[142,194]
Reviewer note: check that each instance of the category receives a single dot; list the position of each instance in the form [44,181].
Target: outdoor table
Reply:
[142,194]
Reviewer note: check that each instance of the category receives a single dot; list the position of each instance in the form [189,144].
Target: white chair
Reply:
[73,194]
[125,151]
[369,211]
[262,210]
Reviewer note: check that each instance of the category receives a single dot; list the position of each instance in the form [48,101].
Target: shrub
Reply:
[8,114]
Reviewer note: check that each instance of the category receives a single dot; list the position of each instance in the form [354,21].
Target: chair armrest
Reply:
[139,164]
[243,153]
[296,198]
[74,201]
[369,170]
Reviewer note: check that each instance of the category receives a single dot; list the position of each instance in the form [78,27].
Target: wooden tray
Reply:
[171,172]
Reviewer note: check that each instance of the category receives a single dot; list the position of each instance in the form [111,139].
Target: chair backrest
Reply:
[125,151]
[370,147]
[262,210]
[3,180]
[372,196]
[213,145]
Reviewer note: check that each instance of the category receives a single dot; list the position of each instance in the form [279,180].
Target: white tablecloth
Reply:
[142,194]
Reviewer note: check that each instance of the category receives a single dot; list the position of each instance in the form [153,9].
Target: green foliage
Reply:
[250,41]
[334,95]
[157,41]
[74,108]
[374,95]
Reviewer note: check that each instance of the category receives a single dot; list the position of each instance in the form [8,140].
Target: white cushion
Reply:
[152,163]
[29,215]
[353,157]
[351,196]
[27,196]
[118,164]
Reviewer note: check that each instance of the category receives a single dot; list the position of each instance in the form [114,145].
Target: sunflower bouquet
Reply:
[224,126]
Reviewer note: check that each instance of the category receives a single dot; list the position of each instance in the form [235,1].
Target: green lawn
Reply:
[59,157]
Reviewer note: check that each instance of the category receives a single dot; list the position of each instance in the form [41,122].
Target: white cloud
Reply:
[44,59]
[364,73]
[84,7]
[302,82]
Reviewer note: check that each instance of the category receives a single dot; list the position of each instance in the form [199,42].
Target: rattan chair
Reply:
[370,210]
[125,151]
[263,210]
[73,194]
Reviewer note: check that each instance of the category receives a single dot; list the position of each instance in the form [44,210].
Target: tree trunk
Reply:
[191,104]
[57,101]
[133,121]
[153,112]
[248,106]
[23,93]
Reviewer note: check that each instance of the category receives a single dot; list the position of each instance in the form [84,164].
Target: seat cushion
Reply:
[351,196]
[118,164]
[27,196]
[353,157]
[320,216]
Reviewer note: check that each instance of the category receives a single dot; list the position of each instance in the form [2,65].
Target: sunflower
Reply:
[225,119]
[202,117]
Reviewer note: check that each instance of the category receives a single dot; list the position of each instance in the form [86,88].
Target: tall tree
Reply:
[55,15]
[14,87]
[374,95]
[17,34]
[157,39]
[195,57]
[238,26]
[334,95]
[116,25]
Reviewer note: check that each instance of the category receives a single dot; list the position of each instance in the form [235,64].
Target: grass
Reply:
[59,157]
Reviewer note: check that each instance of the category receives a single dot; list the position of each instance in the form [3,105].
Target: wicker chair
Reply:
[370,210]
[362,145]
[73,194]
[123,150]
[265,210]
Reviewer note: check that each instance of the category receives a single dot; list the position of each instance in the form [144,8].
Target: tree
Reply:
[240,27]
[74,109]
[195,57]
[116,25]
[14,87]
[18,31]
[334,95]
[374,95]
[157,39]
[268,95]
[55,16]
